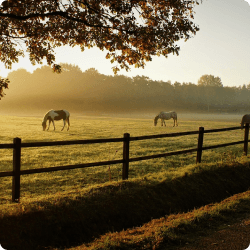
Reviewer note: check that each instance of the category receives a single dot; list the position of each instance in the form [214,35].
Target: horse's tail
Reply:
[175,117]
[245,119]
[242,122]
[173,114]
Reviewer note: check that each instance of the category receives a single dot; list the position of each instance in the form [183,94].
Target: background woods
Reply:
[91,91]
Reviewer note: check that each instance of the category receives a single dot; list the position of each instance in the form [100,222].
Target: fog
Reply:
[92,93]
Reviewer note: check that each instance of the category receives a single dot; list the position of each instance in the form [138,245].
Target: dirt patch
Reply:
[234,236]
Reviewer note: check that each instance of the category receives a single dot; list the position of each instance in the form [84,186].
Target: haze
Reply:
[91,92]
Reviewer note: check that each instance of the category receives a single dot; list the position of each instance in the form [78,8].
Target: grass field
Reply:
[29,129]
[93,208]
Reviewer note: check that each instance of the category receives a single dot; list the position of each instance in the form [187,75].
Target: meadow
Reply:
[93,208]
[29,129]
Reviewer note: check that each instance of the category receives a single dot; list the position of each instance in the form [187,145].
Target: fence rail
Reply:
[17,145]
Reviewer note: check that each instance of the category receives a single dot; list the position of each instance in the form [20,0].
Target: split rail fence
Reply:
[17,145]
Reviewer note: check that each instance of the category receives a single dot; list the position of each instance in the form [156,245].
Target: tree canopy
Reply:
[132,31]
[210,80]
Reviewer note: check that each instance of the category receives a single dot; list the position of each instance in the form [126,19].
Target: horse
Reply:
[166,116]
[245,119]
[56,115]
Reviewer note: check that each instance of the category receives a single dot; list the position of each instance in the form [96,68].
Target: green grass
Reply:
[29,129]
[77,206]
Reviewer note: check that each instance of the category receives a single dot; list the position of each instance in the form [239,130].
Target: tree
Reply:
[210,80]
[132,31]
[210,84]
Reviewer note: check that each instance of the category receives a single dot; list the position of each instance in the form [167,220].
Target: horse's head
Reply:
[44,125]
[155,120]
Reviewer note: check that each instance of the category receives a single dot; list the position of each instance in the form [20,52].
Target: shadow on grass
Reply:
[73,221]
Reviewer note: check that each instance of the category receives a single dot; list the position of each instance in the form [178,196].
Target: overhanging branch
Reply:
[50,14]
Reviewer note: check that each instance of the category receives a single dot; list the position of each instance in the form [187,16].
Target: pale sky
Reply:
[221,48]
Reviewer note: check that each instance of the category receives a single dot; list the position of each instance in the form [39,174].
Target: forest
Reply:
[91,91]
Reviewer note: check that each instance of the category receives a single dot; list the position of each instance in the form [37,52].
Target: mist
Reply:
[90,92]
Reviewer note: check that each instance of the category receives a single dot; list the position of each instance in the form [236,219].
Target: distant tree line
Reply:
[92,91]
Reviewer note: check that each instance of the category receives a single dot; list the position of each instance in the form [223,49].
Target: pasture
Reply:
[93,208]
[47,185]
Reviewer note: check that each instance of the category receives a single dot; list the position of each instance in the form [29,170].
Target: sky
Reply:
[221,48]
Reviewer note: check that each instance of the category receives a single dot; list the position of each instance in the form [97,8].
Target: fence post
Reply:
[16,170]
[200,144]
[125,156]
[246,138]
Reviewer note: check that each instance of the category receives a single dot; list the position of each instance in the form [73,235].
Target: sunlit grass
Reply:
[73,207]
[29,129]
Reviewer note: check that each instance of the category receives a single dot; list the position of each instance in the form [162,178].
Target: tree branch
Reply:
[54,13]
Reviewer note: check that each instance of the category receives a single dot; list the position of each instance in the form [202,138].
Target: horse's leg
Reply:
[164,123]
[49,124]
[54,125]
[68,124]
[63,125]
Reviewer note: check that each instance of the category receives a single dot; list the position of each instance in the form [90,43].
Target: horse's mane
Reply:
[46,117]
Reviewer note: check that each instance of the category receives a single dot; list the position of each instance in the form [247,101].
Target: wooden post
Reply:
[246,138]
[200,144]
[16,170]
[125,156]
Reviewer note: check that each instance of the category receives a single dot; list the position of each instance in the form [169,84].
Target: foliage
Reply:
[4,83]
[131,31]
[210,80]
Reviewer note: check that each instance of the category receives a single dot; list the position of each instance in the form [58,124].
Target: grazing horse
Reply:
[56,115]
[166,116]
[245,119]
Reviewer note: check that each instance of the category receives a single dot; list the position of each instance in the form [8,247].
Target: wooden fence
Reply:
[126,139]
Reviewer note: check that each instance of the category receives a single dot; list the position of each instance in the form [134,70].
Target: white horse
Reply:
[56,115]
[245,119]
[166,116]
